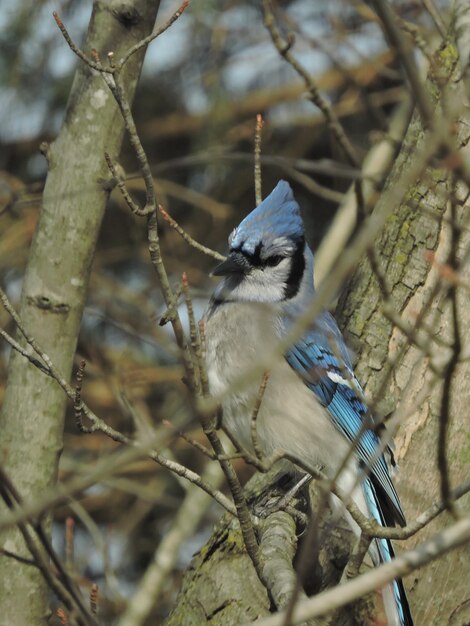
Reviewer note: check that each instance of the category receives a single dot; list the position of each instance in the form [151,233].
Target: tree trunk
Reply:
[417,232]
[56,280]
[221,587]
[438,593]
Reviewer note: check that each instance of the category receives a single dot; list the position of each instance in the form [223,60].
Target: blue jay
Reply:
[312,407]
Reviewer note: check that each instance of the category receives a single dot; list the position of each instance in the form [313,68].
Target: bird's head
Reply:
[268,258]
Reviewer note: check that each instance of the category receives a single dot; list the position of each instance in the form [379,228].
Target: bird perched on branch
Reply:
[312,408]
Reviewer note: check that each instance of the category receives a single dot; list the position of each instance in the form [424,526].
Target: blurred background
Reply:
[203,83]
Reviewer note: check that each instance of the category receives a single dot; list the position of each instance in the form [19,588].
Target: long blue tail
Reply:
[395,601]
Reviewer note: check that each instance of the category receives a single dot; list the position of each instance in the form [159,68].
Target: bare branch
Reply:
[115,68]
[258,182]
[278,543]
[325,602]
[94,599]
[448,377]
[192,242]
[156,33]
[116,87]
[389,22]
[95,65]
[134,207]
[16,346]
[254,415]
[436,17]
[283,47]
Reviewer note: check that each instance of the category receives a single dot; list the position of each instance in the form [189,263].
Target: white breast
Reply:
[291,418]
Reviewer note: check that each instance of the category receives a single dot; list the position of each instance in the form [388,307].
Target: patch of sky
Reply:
[90,559]
[238,17]
[367,42]
[249,66]
[13,283]
[19,117]
[196,98]
[249,59]
[37,166]
[283,113]
[199,307]
[42,54]
[170,49]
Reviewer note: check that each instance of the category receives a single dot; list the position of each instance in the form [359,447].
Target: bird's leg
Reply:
[278,499]
[293,491]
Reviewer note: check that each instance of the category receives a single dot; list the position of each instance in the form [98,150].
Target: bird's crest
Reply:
[276,222]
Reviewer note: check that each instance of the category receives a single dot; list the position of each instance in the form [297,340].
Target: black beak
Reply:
[235,263]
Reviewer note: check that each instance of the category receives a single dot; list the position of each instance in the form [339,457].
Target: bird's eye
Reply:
[272,261]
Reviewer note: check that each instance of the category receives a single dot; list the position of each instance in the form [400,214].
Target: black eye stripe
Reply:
[296,271]
[253,258]
[274,260]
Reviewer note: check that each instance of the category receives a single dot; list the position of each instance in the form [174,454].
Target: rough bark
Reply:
[56,280]
[438,593]
[221,587]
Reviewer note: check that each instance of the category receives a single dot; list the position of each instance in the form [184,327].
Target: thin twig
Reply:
[117,89]
[94,599]
[193,364]
[392,30]
[415,33]
[134,207]
[115,68]
[202,357]
[99,542]
[324,166]
[311,185]
[95,65]
[192,242]
[149,209]
[63,616]
[16,346]
[254,416]
[357,556]
[283,47]
[59,494]
[69,541]
[77,400]
[436,17]
[170,312]
[199,446]
[258,180]
[448,377]
[17,557]
[156,33]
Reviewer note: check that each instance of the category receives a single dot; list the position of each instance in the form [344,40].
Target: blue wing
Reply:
[322,360]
